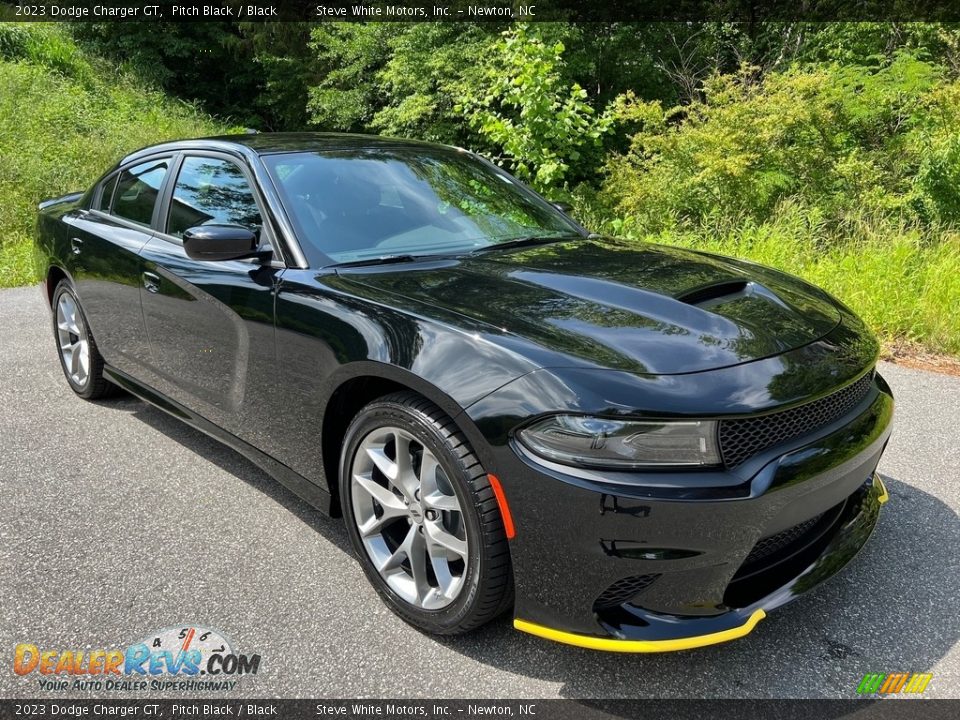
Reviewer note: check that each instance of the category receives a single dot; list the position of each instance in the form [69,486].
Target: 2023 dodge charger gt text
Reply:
[634,447]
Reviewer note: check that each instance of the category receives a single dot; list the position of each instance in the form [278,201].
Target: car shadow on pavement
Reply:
[893,609]
[237,465]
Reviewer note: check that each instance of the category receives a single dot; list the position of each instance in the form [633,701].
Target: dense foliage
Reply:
[830,150]
[844,141]
[63,120]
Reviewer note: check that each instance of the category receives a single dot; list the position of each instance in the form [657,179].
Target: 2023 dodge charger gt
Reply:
[634,447]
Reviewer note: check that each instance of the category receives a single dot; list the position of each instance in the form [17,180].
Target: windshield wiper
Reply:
[381,260]
[405,258]
[527,241]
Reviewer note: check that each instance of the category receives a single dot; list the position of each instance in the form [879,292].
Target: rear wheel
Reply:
[79,357]
[422,517]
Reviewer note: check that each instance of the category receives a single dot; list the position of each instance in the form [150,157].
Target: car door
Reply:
[103,258]
[210,323]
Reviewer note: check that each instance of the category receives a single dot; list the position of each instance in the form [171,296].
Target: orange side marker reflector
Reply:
[504,508]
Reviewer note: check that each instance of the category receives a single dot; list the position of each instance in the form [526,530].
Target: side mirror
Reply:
[563,207]
[220,242]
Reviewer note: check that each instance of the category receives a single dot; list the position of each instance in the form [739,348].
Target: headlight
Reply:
[623,444]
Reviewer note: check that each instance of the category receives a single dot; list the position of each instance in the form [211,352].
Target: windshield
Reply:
[379,202]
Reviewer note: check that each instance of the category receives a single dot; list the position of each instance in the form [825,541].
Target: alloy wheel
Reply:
[409,518]
[72,339]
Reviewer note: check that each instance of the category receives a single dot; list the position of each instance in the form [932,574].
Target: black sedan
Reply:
[632,447]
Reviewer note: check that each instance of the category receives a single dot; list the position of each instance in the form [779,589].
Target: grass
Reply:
[65,117]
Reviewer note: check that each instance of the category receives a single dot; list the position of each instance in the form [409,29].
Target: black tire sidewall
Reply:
[380,414]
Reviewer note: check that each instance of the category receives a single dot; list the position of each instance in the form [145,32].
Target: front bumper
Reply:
[647,568]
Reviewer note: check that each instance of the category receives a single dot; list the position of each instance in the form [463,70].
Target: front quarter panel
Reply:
[327,335]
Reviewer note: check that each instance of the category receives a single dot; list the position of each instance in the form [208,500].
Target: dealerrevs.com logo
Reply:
[189,657]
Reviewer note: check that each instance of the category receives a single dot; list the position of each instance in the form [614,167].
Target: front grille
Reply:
[623,590]
[770,545]
[743,438]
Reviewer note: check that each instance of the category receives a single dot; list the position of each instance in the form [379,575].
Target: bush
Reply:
[848,176]
[839,140]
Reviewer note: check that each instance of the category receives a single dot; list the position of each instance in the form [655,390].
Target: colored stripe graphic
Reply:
[870,683]
[893,683]
[918,683]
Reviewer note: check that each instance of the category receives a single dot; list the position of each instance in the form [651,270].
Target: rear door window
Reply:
[137,190]
[106,194]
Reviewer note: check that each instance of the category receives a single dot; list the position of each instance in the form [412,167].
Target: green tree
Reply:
[542,125]
[396,78]
[431,66]
[349,56]
[285,66]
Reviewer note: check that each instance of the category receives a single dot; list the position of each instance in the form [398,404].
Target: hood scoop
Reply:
[708,296]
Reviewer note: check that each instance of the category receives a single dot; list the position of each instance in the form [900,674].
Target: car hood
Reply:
[628,306]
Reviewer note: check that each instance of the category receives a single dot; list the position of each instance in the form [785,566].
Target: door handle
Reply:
[151,282]
[76,245]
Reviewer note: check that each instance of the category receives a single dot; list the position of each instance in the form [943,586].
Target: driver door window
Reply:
[211,191]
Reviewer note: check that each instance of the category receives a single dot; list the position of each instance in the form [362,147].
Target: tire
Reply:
[460,593]
[86,377]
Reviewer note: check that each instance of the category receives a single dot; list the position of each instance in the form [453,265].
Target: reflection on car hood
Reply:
[637,307]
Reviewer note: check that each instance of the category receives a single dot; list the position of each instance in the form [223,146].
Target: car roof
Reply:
[266,143]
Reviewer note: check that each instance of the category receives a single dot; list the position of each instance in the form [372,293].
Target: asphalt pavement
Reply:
[116,520]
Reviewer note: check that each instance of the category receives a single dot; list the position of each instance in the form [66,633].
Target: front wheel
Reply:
[422,517]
